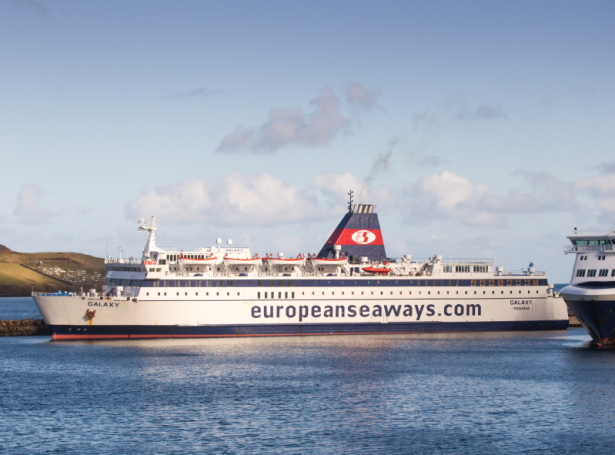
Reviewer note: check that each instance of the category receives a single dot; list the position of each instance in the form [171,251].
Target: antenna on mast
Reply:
[350,193]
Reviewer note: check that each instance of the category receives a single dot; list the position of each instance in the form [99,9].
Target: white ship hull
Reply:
[245,315]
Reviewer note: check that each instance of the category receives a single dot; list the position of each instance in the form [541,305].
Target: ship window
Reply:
[286,295]
[591,273]
[613,272]
[604,272]
[293,295]
[259,295]
[147,293]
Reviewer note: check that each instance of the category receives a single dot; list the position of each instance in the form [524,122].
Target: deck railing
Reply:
[123,261]
[598,232]
[587,248]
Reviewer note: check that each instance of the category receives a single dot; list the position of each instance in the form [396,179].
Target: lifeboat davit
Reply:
[377,271]
[323,262]
[241,261]
[187,260]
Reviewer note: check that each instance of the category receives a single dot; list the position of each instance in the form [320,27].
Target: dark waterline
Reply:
[546,392]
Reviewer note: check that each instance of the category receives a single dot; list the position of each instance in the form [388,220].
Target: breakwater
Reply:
[24,327]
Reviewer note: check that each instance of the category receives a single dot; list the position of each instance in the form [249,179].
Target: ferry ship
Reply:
[591,293]
[349,287]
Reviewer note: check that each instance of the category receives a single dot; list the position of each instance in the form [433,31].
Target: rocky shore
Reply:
[24,327]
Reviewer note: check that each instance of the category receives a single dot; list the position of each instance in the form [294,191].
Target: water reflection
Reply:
[429,393]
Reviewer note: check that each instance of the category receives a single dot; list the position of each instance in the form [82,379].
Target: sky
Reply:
[480,129]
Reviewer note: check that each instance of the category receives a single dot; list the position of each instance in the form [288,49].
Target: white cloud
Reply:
[28,206]
[287,127]
[264,200]
[601,190]
[452,197]
[335,188]
[239,200]
[358,97]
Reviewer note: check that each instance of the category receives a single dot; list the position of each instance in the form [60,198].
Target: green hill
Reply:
[48,272]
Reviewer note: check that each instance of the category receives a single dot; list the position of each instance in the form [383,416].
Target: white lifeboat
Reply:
[319,262]
[195,259]
[241,261]
[299,261]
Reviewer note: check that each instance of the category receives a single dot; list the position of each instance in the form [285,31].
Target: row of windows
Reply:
[118,268]
[465,269]
[119,282]
[320,283]
[271,295]
[600,258]
[592,242]
[592,273]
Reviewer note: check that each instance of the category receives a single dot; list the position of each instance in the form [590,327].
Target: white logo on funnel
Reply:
[363,237]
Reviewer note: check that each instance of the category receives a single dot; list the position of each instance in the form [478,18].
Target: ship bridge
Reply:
[591,241]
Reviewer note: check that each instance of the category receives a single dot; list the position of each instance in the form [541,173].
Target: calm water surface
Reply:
[18,308]
[535,392]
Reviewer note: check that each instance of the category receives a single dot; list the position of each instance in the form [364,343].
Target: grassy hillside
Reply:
[82,270]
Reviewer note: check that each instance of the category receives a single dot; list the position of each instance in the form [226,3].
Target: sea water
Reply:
[509,392]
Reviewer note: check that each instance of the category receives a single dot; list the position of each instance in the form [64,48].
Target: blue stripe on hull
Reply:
[60,332]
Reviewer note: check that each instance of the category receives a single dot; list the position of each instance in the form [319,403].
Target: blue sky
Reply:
[480,129]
